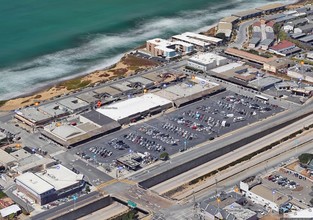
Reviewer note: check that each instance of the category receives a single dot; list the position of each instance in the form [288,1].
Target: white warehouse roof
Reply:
[33,182]
[60,177]
[206,58]
[120,110]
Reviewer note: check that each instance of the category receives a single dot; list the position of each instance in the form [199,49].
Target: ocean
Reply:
[44,42]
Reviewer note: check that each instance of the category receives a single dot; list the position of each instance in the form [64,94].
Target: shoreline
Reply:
[56,88]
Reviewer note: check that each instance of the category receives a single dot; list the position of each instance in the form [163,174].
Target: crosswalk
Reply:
[110,182]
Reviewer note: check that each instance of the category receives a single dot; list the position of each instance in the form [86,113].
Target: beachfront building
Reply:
[50,184]
[206,61]
[163,48]
[225,28]
[199,41]
[250,13]
[270,8]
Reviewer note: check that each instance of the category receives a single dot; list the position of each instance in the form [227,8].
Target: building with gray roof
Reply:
[32,116]
[54,109]
[108,91]
[124,87]
[304,29]
[144,82]
[265,44]
[6,159]
[89,97]
[306,39]
[254,42]
[263,83]
[268,18]
[285,19]
[74,104]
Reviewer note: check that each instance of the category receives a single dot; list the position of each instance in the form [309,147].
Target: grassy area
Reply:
[2,194]
[3,102]
[131,60]
[119,72]
[75,84]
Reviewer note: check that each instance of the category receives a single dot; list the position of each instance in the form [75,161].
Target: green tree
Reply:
[164,156]
[305,158]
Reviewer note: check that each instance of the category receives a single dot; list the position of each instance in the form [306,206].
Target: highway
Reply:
[235,155]
[219,143]
[108,212]
[66,207]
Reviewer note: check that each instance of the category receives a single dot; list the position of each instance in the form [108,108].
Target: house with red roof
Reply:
[285,48]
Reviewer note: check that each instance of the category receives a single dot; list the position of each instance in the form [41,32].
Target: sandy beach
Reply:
[128,65]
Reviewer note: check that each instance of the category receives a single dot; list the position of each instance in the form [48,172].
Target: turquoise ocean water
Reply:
[45,41]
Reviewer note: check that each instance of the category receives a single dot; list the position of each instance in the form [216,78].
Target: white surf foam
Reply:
[104,50]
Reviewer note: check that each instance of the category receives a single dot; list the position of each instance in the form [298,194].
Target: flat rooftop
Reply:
[122,86]
[88,97]
[108,90]
[6,158]
[132,106]
[64,131]
[59,177]
[73,103]
[191,40]
[267,193]
[239,211]
[53,109]
[264,82]
[247,13]
[34,182]
[33,114]
[20,154]
[141,80]
[270,6]
[206,58]
[226,67]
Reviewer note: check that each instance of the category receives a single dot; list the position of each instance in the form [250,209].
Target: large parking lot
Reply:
[179,130]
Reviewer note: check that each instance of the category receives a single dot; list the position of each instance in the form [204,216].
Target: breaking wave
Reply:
[103,50]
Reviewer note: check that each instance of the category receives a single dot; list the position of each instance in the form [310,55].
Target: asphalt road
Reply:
[242,34]
[65,207]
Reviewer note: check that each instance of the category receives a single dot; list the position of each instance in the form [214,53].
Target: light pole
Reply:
[185,144]
[74,200]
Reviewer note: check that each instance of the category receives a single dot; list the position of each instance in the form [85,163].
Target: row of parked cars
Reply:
[144,142]
[154,133]
[179,131]
[283,181]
